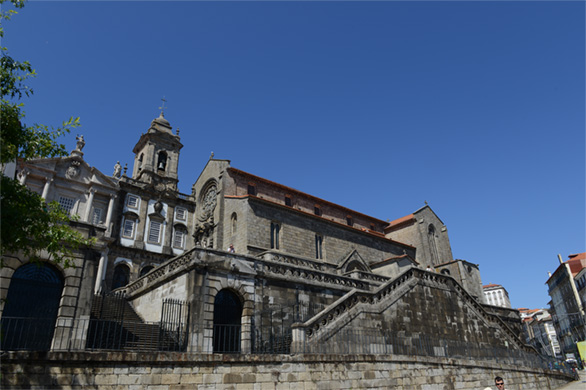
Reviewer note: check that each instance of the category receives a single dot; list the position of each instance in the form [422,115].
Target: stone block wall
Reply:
[168,371]
[297,235]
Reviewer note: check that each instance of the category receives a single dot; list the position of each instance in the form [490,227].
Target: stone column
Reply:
[298,336]
[109,214]
[101,274]
[88,206]
[48,182]
[168,238]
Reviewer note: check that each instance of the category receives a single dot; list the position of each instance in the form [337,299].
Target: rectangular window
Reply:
[132,201]
[178,238]
[349,220]
[251,189]
[288,201]
[317,210]
[128,228]
[154,232]
[275,230]
[97,216]
[180,214]
[318,246]
[66,204]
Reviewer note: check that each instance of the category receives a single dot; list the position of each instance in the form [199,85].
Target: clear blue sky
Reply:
[475,107]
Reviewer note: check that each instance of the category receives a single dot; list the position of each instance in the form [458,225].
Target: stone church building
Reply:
[241,265]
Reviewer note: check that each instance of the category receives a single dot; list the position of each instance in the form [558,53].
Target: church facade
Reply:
[247,265]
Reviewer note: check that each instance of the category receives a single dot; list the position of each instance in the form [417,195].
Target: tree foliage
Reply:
[28,223]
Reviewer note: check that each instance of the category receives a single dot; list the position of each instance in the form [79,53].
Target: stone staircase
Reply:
[115,325]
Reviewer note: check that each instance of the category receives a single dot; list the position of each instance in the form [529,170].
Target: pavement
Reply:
[576,385]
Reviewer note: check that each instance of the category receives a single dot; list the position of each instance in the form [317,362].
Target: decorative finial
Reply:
[162,108]
[212,155]
[425,202]
[125,168]
[177,131]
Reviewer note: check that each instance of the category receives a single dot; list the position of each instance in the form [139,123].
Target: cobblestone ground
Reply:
[576,385]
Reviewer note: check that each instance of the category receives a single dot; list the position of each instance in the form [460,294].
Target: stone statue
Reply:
[117,170]
[80,143]
[203,234]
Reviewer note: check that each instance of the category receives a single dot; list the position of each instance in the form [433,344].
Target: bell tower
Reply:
[156,155]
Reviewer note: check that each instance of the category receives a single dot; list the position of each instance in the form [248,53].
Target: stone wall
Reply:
[298,231]
[168,371]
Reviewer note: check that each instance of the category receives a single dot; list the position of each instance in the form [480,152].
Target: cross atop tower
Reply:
[162,108]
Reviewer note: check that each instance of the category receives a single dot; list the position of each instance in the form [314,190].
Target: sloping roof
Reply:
[401,220]
[576,263]
[304,194]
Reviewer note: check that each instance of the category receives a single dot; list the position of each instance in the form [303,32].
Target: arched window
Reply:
[432,244]
[227,322]
[234,223]
[162,161]
[275,235]
[31,308]
[354,266]
[121,276]
[145,270]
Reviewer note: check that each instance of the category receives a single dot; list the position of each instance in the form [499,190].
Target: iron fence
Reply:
[39,334]
[19,333]
[99,334]
[380,342]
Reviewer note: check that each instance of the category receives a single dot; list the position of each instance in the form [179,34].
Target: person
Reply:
[499,383]
[231,248]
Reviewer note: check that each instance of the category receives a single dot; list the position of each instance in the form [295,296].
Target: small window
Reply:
[128,228]
[275,233]
[288,201]
[318,246]
[234,219]
[179,238]
[180,214]
[66,204]
[251,189]
[97,216]
[349,220]
[373,227]
[317,210]
[154,232]
[132,201]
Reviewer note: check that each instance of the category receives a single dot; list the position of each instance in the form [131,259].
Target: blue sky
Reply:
[475,107]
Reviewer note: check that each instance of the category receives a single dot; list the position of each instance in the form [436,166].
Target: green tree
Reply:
[28,224]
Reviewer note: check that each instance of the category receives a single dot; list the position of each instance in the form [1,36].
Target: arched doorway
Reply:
[121,276]
[31,308]
[227,322]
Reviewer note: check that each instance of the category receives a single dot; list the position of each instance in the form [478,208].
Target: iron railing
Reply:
[96,334]
[19,333]
[33,334]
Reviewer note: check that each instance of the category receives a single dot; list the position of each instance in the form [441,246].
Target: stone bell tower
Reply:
[156,156]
